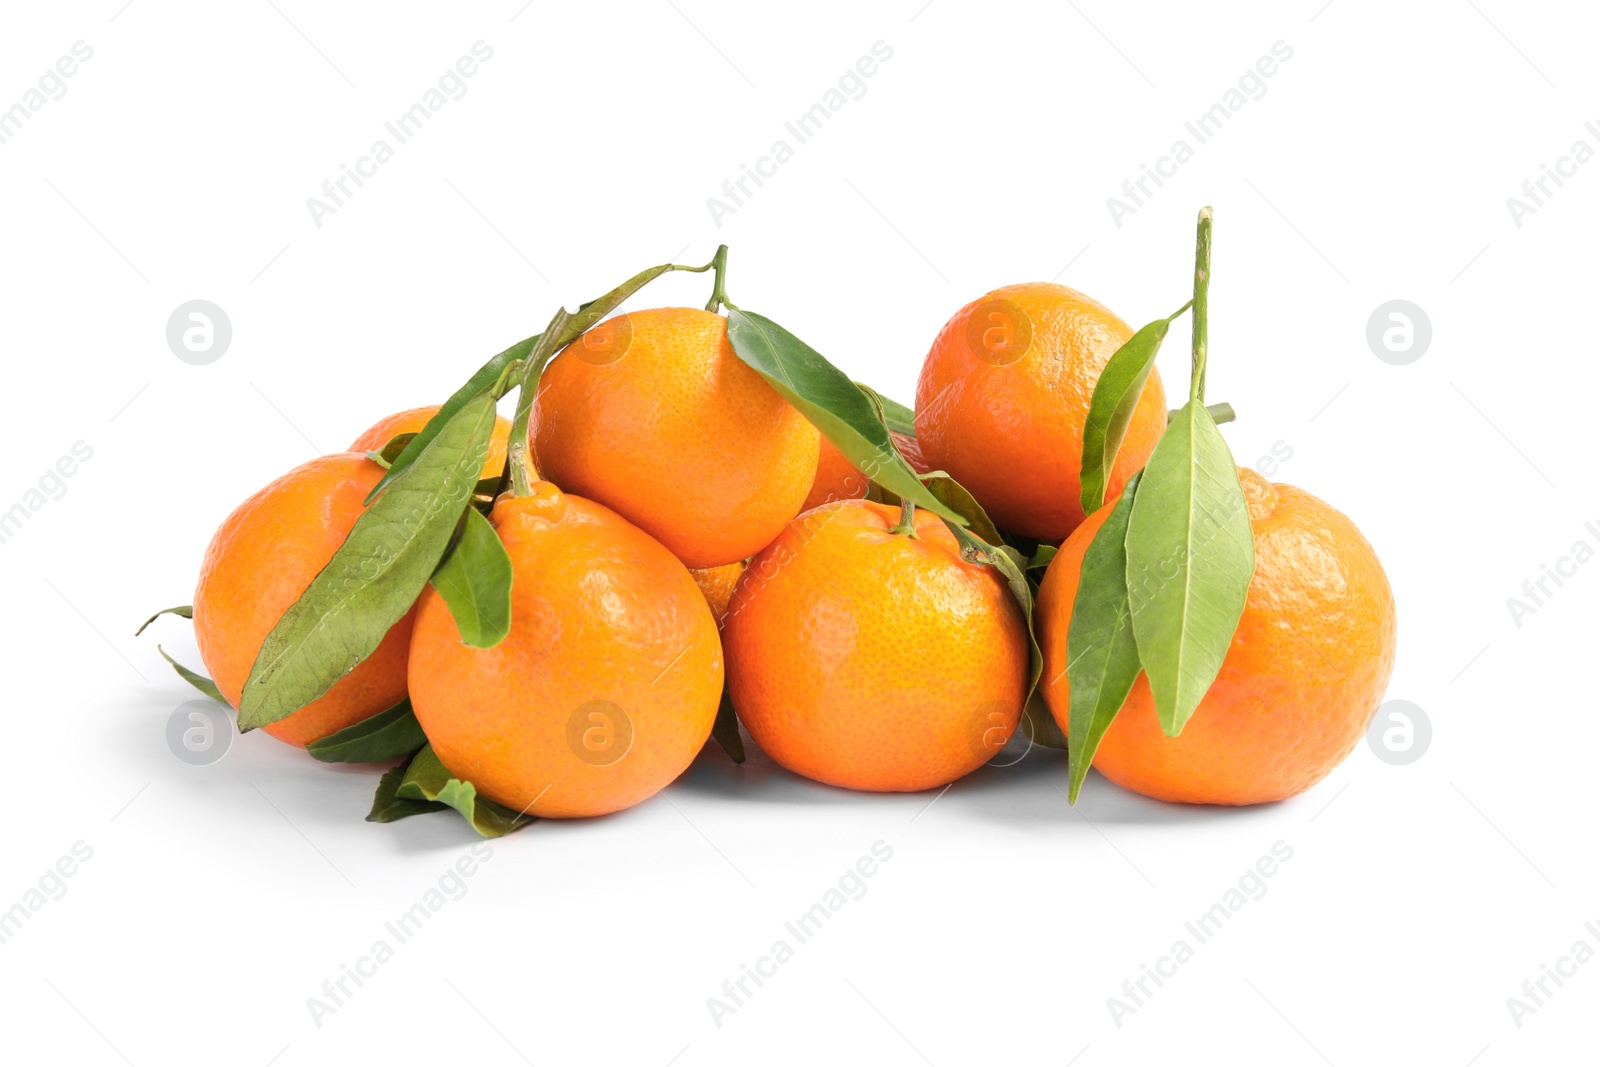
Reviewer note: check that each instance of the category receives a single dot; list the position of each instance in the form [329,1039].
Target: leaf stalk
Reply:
[549,341]
[1202,286]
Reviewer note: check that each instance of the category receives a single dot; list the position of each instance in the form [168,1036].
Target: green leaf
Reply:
[487,377]
[388,805]
[955,496]
[186,611]
[1009,562]
[832,402]
[374,577]
[1220,413]
[476,387]
[1116,394]
[1102,656]
[896,415]
[1191,554]
[1042,555]
[199,681]
[1039,725]
[385,456]
[726,728]
[385,736]
[1022,592]
[475,581]
[427,779]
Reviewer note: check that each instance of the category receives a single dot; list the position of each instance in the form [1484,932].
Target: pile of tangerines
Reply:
[694,521]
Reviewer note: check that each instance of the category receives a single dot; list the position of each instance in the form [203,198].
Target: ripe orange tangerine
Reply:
[606,686]
[261,559]
[1307,668]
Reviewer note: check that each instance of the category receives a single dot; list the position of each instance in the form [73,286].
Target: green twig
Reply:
[1202,284]
[1220,413]
[908,519]
[565,328]
[549,342]
[719,292]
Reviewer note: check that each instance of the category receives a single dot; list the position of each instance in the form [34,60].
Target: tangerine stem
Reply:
[1202,285]
[719,293]
[549,341]
[908,519]
[1220,413]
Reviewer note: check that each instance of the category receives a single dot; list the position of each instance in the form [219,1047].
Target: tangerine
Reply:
[412,420]
[1003,397]
[1307,668]
[717,585]
[867,657]
[605,688]
[652,414]
[261,559]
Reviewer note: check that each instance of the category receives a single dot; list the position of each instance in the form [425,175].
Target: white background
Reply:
[1376,166]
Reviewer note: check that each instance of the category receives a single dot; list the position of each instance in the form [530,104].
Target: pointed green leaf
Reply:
[185,611]
[955,496]
[199,681]
[1042,555]
[388,805]
[385,736]
[726,728]
[385,456]
[493,373]
[1220,413]
[374,577]
[1102,656]
[1190,557]
[834,404]
[475,581]
[896,415]
[1116,394]
[478,386]
[428,779]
